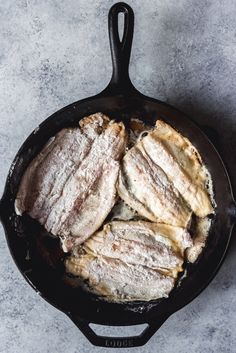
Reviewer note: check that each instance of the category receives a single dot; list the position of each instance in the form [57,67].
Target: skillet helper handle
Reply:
[120,49]
[119,342]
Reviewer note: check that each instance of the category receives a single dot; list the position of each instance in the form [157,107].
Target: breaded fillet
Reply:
[182,164]
[70,186]
[125,252]
[118,281]
[144,186]
[154,245]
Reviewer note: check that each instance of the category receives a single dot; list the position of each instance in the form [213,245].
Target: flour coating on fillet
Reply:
[144,186]
[122,250]
[117,281]
[70,186]
[182,164]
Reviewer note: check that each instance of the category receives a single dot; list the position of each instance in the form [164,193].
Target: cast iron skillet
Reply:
[39,257]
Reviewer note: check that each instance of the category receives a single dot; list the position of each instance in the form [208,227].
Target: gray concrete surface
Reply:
[56,52]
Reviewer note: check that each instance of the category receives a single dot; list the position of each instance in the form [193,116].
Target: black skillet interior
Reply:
[39,257]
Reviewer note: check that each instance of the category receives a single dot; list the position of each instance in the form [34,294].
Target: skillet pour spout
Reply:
[39,257]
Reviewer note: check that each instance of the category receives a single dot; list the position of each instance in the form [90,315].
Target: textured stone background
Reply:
[54,52]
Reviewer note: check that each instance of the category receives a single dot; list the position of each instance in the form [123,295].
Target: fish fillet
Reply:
[126,255]
[144,186]
[182,164]
[118,281]
[70,186]
[154,245]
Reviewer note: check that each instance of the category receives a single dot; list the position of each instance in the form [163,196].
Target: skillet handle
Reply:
[120,50]
[119,342]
